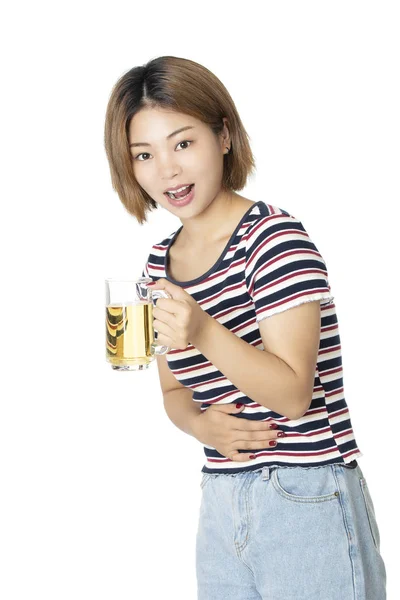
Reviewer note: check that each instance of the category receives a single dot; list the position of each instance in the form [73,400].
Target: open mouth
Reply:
[182,194]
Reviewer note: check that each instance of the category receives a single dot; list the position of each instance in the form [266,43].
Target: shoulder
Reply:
[161,246]
[279,240]
[271,220]
[154,265]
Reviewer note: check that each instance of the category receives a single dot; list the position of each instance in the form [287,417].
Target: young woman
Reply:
[254,370]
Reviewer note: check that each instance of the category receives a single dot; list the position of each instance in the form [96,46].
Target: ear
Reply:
[225,135]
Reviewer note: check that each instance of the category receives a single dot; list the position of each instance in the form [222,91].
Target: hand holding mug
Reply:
[177,319]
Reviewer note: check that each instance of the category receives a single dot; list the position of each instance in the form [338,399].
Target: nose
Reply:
[167,167]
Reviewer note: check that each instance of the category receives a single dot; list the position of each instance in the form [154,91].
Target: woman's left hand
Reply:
[178,319]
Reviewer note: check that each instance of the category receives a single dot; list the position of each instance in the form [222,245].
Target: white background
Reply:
[99,490]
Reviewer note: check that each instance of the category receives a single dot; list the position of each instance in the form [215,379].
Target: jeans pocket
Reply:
[205,478]
[301,484]
[369,506]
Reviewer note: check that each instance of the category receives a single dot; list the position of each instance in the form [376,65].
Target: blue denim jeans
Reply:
[289,533]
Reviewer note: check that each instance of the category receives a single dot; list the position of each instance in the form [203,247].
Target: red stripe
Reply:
[262,222]
[330,349]
[331,371]
[260,311]
[348,431]
[265,267]
[279,453]
[276,282]
[339,390]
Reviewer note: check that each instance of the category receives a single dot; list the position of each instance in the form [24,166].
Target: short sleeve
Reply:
[145,272]
[149,267]
[283,266]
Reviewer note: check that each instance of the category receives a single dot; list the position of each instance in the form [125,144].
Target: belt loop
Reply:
[265,473]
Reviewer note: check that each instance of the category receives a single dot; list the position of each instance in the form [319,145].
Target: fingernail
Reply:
[281,434]
[239,405]
[272,443]
[273,426]
[152,283]
[252,456]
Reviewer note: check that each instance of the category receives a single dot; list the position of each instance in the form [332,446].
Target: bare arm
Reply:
[217,426]
[181,409]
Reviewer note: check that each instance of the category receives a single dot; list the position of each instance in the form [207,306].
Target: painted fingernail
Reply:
[252,456]
[281,434]
[272,443]
[273,426]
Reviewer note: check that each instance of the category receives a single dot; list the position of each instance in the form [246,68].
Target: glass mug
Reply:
[130,336]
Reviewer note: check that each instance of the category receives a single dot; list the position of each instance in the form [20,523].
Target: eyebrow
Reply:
[167,138]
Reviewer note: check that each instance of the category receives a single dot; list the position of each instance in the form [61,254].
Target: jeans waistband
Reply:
[266,470]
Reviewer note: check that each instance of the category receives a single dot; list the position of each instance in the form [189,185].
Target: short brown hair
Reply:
[177,84]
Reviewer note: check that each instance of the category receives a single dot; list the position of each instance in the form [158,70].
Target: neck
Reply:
[214,223]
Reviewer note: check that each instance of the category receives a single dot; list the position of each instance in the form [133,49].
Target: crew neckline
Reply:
[260,203]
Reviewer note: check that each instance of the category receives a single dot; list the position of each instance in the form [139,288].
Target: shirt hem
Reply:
[256,466]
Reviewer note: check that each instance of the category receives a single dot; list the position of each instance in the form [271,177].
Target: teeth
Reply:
[180,190]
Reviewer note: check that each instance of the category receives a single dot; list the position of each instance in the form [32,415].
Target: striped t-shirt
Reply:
[269,265]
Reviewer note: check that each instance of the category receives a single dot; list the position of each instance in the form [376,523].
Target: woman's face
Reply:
[194,156]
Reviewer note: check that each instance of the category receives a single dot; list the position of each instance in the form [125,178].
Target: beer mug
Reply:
[130,336]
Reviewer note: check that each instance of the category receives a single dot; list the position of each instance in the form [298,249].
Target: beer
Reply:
[129,333]
[131,344]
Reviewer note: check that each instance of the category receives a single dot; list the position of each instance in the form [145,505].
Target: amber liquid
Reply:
[129,333]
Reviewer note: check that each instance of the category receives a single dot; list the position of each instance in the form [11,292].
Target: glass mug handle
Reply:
[155,348]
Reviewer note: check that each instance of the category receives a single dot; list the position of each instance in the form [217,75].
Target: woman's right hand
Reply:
[218,428]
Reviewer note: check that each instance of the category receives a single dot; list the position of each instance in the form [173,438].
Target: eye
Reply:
[141,154]
[185,142]
[147,154]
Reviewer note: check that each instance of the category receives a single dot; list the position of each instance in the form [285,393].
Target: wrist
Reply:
[195,425]
[202,329]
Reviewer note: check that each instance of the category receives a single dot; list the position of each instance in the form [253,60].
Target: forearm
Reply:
[181,409]
[261,375]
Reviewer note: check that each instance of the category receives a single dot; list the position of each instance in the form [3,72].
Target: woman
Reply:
[255,368]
